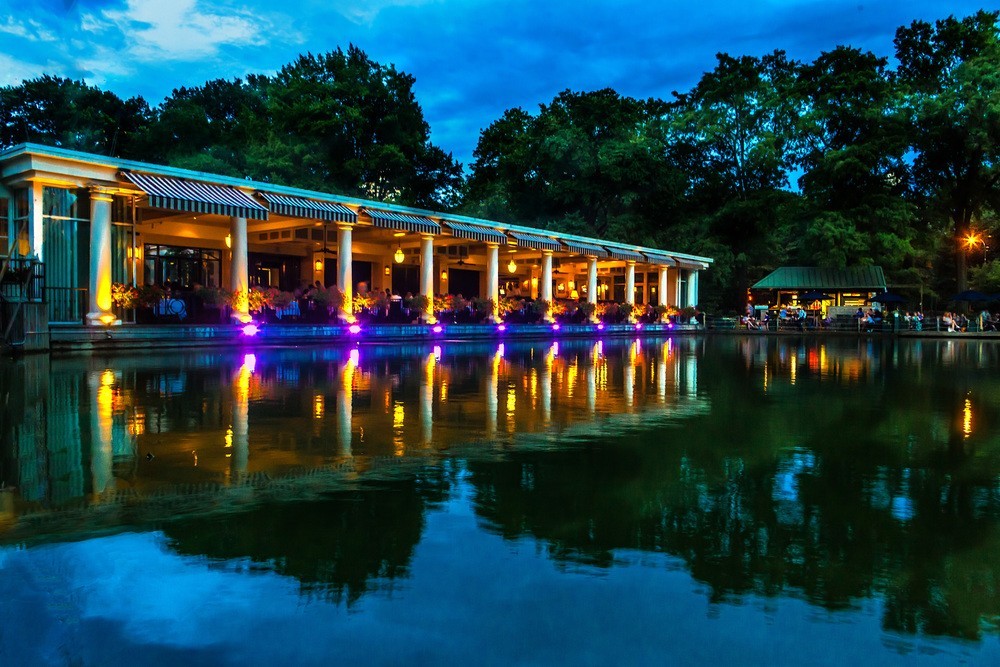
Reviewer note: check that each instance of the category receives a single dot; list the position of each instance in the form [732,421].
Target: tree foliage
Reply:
[766,161]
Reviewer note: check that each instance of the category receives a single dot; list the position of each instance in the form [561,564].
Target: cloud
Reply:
[154,30]
[28,29]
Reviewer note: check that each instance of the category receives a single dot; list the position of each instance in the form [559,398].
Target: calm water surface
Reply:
[743,500]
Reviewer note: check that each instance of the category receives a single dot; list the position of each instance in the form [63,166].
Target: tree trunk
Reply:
[962,223]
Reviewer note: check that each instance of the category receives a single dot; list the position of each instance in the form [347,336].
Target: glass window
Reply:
[182,268]
[5,226]
[66,204]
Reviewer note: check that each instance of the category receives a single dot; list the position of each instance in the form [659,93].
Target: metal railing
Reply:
[22,279]
[67,305]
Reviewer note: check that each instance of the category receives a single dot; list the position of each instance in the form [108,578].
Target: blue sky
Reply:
[472,59]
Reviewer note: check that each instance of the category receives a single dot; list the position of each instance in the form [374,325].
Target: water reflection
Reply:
[833,471]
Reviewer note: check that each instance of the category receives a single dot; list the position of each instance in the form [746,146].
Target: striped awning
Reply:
[626,255]
[536,242]
[179,194]
[403,222]
[475,232]
[690,264]
[585,248]
[659,258]
[300,207]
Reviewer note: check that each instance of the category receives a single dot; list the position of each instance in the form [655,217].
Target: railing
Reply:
[67,305]
[22,279]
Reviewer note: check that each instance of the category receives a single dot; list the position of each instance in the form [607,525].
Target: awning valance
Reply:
[659,258]
[626,255]
[536,242]
[179,194]
[300,207]
[585,248]
[475,232]
[403,222]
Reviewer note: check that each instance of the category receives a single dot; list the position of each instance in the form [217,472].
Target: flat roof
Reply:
[175,172]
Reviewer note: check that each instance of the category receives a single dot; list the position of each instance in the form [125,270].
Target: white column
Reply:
[592,285]
[239,273]
[677,288]
[493,276]
[427,274]
[629,282]
[661,289]
[546,286]
[692,295]
[630,286]
[345,274]
[99,308]
[36,231]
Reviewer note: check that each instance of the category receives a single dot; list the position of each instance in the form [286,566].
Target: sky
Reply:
[472,59]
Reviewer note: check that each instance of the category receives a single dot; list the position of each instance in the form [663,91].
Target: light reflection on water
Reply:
[858,477]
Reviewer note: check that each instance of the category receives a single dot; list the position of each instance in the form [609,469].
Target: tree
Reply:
[850,143]
[588,162]
[731,132]
[369,132]
[950,76]
[70,114]
[337,121]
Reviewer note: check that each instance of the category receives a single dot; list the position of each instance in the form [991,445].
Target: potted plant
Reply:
[419,303]
[148,297]
[213,301]
[587,310]
[540,307]
[686,314]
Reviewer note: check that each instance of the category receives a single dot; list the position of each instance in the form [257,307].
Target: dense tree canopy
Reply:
[766,161]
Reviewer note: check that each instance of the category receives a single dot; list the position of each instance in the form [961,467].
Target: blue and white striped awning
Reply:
[536,242]
[403,222]
[300,207]
[476,232]
[178,194]
[626,255]
[588,249]
[659,258]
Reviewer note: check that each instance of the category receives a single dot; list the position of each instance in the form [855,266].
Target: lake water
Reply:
[744,500]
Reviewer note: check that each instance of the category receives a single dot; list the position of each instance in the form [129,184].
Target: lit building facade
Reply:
[94,221]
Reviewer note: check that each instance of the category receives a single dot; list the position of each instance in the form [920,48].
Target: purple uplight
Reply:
[437,328]
[555,327]
[354,328]
[502,327]
[600,327]
[670,326]
[250,329]
[638,326]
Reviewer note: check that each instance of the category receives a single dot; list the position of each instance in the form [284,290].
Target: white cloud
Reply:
[30,30]
[365,13]
[13,71]
[157,31]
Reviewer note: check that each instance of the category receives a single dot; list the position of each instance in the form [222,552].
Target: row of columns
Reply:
[99,308]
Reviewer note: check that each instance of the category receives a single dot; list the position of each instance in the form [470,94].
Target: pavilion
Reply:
[91,221]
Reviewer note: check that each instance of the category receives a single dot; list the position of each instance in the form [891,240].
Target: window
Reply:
[182,268]
[5,226]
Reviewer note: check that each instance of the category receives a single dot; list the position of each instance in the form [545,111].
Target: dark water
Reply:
[740,500]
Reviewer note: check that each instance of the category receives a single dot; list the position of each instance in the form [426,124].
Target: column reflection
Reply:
[239,440]
[101,386]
